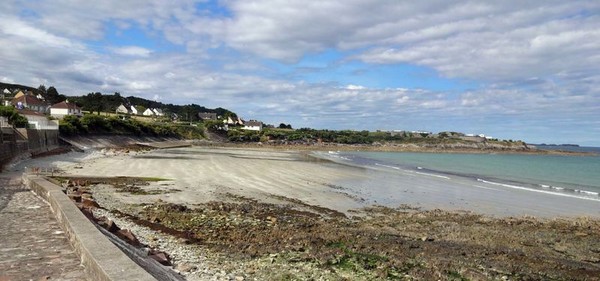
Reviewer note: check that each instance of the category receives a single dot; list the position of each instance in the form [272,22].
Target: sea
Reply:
[574,176]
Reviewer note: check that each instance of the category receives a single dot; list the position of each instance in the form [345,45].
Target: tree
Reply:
[284,126]
[95,102]
[13,116]
[42,88]
[53,96]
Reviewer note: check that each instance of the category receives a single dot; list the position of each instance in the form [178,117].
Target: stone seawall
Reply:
[40,140]
[10,150]
[25,142]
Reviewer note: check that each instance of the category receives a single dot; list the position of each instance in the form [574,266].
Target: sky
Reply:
[522,70]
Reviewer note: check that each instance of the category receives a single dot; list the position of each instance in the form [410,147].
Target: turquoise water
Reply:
[572,174]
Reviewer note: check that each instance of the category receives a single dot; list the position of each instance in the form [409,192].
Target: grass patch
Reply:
[353,260]
[456,276]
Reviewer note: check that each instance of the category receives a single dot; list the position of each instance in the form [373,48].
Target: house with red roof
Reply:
[64,108]
[30,102]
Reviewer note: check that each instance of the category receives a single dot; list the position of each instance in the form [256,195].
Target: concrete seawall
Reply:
[101,259]
[19,142]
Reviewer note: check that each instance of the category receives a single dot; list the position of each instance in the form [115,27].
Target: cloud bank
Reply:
[524,70]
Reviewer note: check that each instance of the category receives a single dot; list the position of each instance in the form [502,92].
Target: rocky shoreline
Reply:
[117,142]
[474,148]
[239,238]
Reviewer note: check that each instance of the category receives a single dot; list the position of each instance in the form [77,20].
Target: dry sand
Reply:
[199,175]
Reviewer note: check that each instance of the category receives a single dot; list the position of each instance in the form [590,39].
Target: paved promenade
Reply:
[32,245]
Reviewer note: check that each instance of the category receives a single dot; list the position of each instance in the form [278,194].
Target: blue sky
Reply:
[509,69]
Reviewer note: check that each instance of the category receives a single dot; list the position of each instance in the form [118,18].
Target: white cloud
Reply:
[14,27]
[134,51]
[355,87]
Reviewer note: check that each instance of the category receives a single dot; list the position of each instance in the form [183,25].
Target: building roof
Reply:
[253,123]
[30,112]
[207,115]
[65,105]
[28,100]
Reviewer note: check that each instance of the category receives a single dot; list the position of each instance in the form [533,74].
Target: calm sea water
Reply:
[577,175]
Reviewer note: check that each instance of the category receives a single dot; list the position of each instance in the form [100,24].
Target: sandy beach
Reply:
[259,214]
[202,174]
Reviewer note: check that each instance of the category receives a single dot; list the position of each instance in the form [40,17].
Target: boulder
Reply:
[111,226]
[89,203]
[161,257]
[75,197]
[128,237]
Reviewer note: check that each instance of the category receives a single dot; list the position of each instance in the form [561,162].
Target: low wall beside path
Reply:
[100,257]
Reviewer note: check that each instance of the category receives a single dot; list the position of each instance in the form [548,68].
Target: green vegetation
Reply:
[13,116]
[331,136]
[96,124]
[98,102]
[311,136]
[354,261]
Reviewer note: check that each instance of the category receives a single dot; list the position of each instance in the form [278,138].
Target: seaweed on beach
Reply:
[131,185]
[384,243]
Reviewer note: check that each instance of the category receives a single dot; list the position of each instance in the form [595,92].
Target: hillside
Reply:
[18,86]
[98,102]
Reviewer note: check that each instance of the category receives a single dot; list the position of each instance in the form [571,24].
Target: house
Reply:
[158,112]
[148,112]
[18,94]
[253,125]
[123,109]
[233,121]
[29,102]
[133,110]
[153,112]
[64,108]
[6,97]
[207,116]
[38,120]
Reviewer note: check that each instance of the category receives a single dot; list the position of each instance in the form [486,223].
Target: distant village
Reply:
[37,110]
[44,124]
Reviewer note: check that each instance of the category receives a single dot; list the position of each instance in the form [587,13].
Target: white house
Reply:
[5,94]
[253,125]
[158,112]
[133,110]
[64,108]
[123,109]
[38,120]
[148,112]
[153,112]
[233,121]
